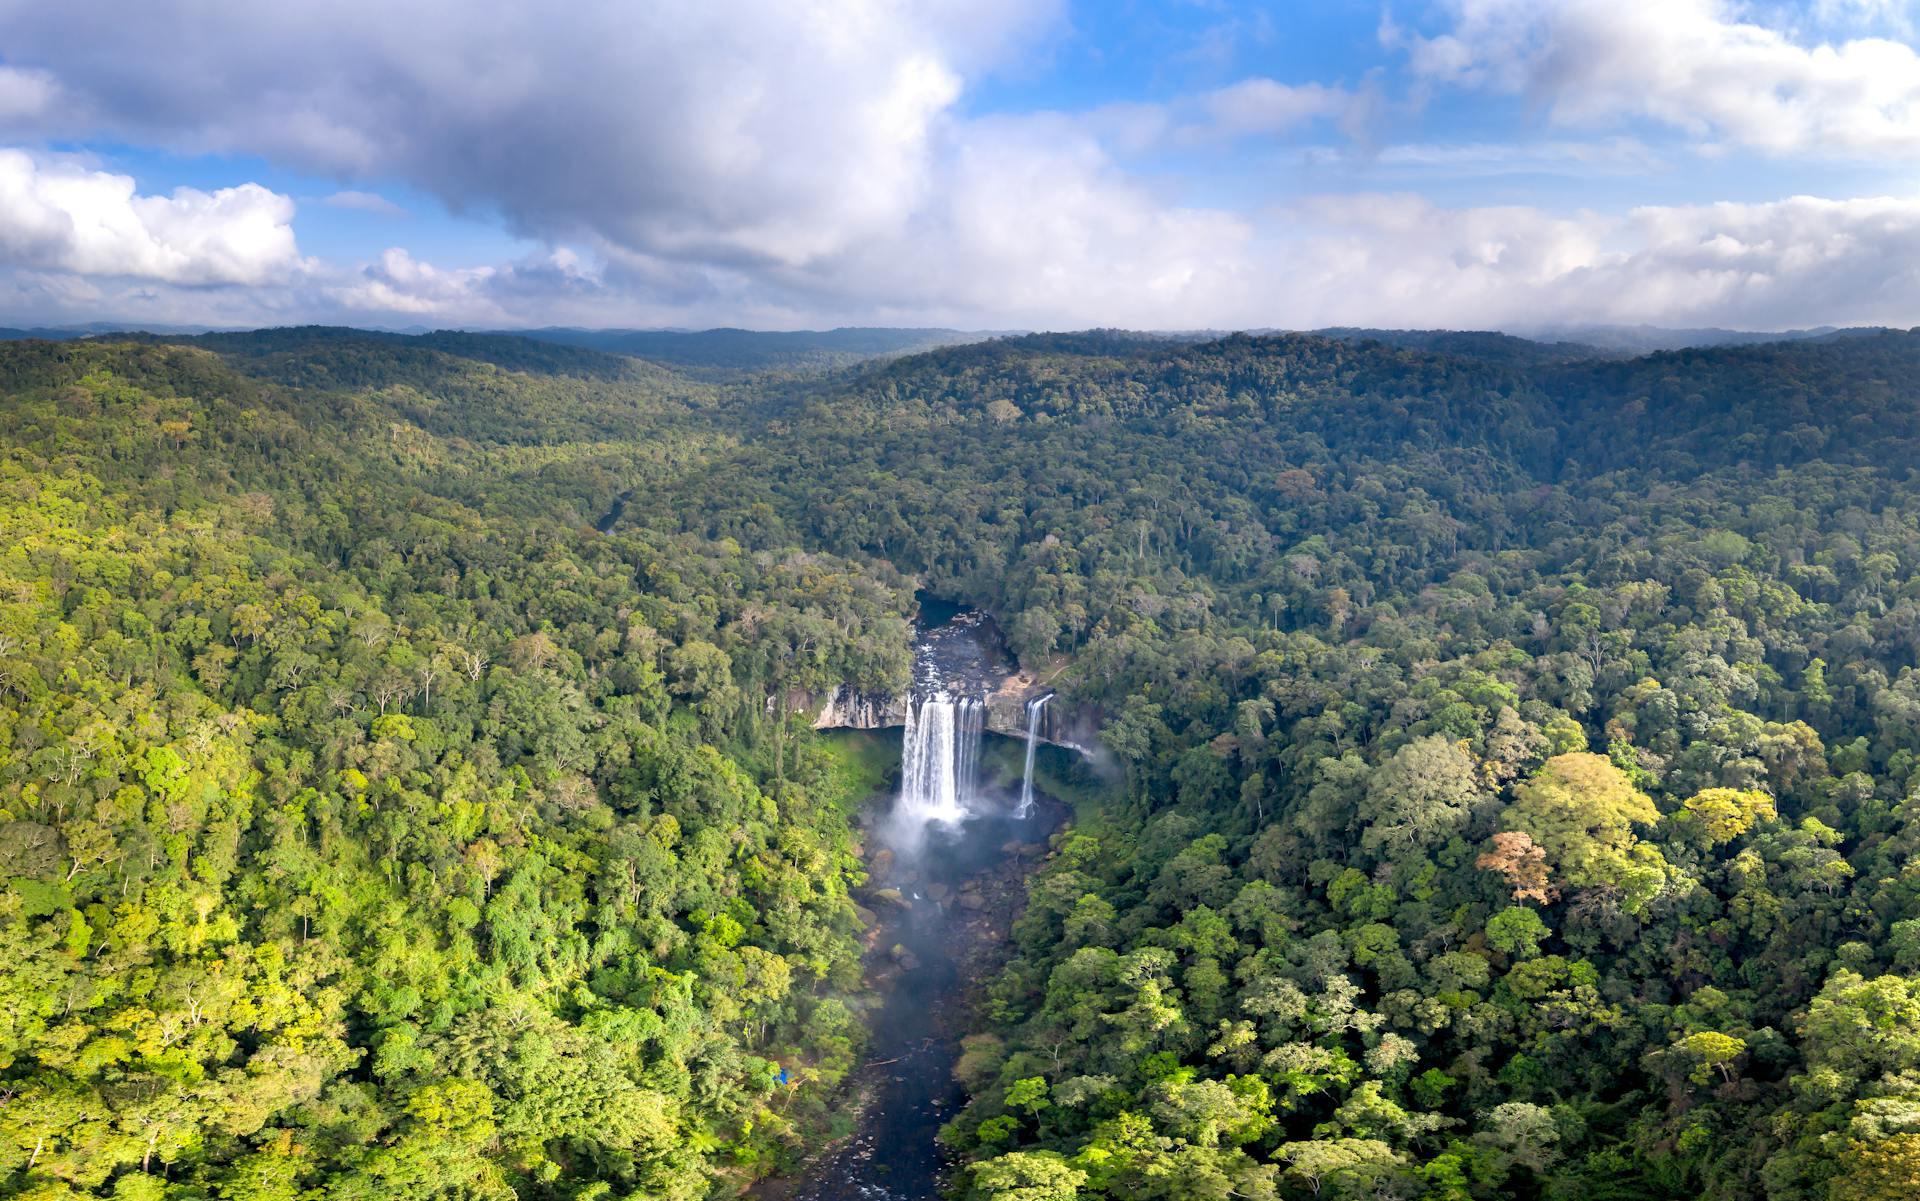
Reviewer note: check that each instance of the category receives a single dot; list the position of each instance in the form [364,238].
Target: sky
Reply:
[979,164]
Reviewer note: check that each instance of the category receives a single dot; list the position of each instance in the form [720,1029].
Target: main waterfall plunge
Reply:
[940,759]
[945,884]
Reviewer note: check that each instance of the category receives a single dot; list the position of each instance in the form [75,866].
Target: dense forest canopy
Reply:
[370,826]
[1518,757]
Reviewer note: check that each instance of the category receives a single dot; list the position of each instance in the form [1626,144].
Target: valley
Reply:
[459,766]
[867,600]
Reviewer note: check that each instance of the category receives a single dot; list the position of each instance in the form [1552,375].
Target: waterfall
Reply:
[970,718]
[1033,737]
[938,758]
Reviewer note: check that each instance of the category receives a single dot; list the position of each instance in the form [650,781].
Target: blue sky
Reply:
[990,164]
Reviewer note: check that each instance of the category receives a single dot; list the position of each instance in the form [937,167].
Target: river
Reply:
[612,516]
[958,892]
[945,895]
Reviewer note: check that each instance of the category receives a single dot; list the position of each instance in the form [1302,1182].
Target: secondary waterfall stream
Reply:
[1034,707]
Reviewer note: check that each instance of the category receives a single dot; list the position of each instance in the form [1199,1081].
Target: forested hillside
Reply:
[371,826]
[1518,762]
[1517,757]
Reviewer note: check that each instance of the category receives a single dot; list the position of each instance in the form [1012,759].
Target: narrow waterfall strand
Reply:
[911,772]
[970,721]
[1033,737]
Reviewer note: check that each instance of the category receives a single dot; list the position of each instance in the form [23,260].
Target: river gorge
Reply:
[949,846]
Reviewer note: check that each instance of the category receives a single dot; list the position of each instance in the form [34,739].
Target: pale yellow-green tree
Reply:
[1581,810]
[1724,814]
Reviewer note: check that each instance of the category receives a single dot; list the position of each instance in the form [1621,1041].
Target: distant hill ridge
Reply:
[1645,339]
[729,351]
[758,350]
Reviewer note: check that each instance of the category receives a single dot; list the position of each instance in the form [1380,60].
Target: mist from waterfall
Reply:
[1033,737]
[939,760]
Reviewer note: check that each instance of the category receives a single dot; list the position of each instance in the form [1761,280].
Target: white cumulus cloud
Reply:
[1695,65]
[1401,260]
[1095,250]
[61,215]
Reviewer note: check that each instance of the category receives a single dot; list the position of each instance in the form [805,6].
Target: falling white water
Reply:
[970,718]
[931,774]
[1033,736]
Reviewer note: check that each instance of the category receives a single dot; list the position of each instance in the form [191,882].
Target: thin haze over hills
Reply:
[726,352]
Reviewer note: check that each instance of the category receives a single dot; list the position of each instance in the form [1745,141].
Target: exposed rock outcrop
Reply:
[851,709]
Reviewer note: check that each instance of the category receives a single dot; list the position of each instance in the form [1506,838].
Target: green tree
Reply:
[1027,1176]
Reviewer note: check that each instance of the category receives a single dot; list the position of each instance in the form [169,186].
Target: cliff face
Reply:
[851,709]
[962,657]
